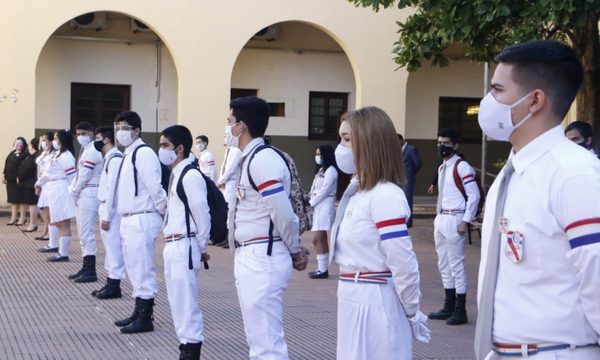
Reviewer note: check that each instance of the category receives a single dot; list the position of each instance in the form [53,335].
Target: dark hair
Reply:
[253,111]
[449,133]
[548,65]
[203,138]
[66,141]
[49,135]
[84,125]
[328,156]
[131,117]
[106,133]
[585,129]
[400,137]
[35,144]
[179,135]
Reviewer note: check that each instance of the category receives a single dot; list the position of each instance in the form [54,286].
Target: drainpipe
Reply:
[486,85]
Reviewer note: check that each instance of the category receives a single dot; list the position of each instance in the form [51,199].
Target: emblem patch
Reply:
[514,246]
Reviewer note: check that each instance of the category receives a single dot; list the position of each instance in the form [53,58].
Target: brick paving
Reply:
[43,315]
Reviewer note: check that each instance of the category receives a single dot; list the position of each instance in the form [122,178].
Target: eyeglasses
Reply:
[123,127]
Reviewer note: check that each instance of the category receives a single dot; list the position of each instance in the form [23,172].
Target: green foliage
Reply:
[483,27]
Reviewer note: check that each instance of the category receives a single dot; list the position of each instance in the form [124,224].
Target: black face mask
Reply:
[99,144]
[445,150]
[583,144]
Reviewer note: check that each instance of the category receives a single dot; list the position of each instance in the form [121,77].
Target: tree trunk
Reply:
[588,99]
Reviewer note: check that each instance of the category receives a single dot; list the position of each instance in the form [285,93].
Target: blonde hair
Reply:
[376,148]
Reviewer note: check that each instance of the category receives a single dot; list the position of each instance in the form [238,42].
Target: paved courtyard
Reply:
[43,315]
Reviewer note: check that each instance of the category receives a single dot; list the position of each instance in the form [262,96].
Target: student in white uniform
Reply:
[55,181]
[260,278]
[141,203]
[227,179]
[84,191]
[110,221]
[539,294]
[184,251]
[50,231]
[322,199]
[454,213]
[206,160]
[378,289]
[580,133]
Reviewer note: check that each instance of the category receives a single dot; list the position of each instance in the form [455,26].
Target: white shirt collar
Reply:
[252,144]
[536,148]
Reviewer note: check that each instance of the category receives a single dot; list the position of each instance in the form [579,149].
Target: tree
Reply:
[485,27]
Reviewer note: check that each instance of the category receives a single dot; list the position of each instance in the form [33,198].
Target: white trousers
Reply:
[371,323]
[261,280]
[113,259]
[584,353]
[182,289]
[450,248]
[139,233]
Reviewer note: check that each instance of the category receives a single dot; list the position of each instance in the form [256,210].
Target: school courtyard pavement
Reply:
[43,315]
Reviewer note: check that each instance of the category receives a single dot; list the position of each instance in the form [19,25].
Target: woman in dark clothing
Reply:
[15,195]
[27,178]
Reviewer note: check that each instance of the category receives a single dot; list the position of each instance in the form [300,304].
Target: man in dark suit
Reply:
[412,164]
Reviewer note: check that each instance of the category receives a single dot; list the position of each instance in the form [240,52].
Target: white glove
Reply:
[418,325]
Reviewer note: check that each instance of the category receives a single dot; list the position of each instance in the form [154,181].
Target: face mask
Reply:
[495,119]
[98,145]
[44,145]
[84,140]
[201,147]
[55,145]
[445,150]
[345,159]
[318,160]
[124,137]
[19,146]
[167,157]
[230,139]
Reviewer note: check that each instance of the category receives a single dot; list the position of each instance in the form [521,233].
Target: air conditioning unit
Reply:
[94,20]
[138,26]
[270,33]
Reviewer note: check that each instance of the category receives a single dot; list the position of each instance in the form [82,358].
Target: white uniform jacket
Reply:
[61,166]
[373,237]
[254,208]
[553,205]
[195,190]
[151,196]
[88,170]
[207,164]
[324,186]
[42,161]
[452,198]
[229,168]
[108,182]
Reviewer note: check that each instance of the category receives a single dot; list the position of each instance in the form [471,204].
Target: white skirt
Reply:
[324,215]
[371,323]
[59,201]
[43,199]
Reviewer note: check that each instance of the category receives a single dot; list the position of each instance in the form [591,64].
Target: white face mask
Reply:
[230,139]
[201,147]
[495,119]
[167,156]
[318,160]
[124,137]
[345,159]
[55,145]
[84,140]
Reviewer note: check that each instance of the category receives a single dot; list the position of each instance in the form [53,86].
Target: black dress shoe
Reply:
[31,230]
[21,223]
[41,238]
[48,249]
[318,274]
[58,258]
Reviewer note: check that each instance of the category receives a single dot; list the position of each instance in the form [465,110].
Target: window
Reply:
[236,93]
[98,103]
[277,109]
[460,114]
[324,112]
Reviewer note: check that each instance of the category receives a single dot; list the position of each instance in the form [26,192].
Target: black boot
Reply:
[448,309]
[190,351]
[78,274]
[111,291]
[95,292]
[144,321]
[459,316]
[89,270]
[133,316]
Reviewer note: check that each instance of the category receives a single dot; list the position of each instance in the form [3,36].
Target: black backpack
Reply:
[216,204]
[164,176]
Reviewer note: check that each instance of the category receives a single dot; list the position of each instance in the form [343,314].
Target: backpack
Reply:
[115,155]
[300,204]
[216,204]
[165,172]
[461,188]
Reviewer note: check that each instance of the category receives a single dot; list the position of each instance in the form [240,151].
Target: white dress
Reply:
[42,161]
[55,181]
[322,199]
